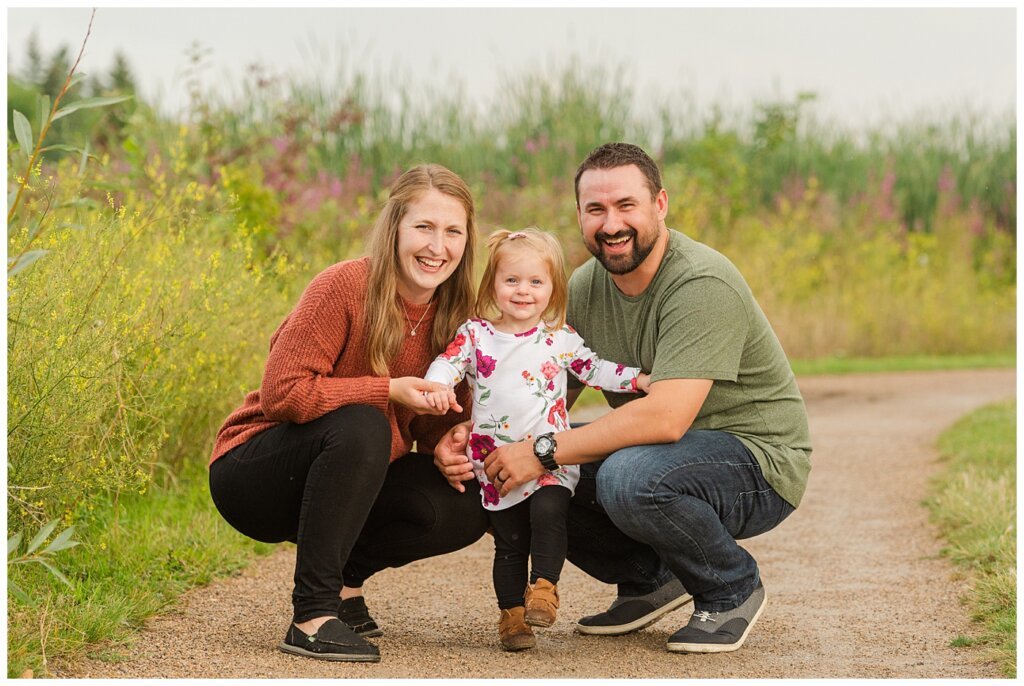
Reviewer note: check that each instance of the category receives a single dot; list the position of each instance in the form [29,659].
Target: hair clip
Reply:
[515,234]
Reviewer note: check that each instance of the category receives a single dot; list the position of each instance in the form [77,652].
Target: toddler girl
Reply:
[516,355]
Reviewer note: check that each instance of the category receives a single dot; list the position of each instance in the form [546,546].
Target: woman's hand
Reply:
[450,456]
[412,391]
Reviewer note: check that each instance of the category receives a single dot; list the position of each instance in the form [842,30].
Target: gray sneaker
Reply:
[631,613]
[719,632]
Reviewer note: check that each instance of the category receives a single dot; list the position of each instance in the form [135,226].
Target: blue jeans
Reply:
[649,512]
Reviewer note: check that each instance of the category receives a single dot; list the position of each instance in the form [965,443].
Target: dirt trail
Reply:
[855,585]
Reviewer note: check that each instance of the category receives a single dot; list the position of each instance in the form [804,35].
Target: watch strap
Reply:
[547,459]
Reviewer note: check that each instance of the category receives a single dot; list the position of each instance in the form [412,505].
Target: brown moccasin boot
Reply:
[512,630]
[541,603]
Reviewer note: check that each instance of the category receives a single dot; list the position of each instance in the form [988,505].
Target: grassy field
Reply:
[974,503]
[137,557]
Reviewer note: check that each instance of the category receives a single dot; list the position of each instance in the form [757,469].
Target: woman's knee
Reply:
[357,433]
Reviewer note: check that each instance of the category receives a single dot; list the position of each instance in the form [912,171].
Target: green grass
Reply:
[848,365]
[136,558]
[974,504]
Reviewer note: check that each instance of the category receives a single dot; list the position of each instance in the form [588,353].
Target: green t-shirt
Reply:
[698,320]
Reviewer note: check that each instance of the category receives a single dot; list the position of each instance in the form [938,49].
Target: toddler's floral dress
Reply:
[519,388]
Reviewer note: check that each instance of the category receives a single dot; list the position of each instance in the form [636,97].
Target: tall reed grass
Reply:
[177,247]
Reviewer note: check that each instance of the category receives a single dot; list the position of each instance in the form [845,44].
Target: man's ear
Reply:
[661,200]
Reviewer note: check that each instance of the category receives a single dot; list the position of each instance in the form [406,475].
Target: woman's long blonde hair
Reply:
[531,239]
[453,298]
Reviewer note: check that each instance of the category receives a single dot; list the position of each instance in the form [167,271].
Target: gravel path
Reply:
[855,585]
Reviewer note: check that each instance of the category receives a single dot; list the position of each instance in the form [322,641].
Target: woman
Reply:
[321,453]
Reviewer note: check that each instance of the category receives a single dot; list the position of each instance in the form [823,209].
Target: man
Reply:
[717,451]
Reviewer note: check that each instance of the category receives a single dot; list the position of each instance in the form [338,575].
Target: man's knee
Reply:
[622,480]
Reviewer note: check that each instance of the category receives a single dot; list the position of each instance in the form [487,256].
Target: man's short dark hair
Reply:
[612,155]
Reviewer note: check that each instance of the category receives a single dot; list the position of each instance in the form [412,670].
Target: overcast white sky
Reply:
[865,64]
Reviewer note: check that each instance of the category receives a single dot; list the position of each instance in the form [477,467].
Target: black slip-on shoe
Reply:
[353,612]
[719,632]
[631,613]
[333,641]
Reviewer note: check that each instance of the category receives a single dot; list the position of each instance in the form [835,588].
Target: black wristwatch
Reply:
[544,447]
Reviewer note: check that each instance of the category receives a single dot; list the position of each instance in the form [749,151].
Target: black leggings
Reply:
[327,486]
[534,529]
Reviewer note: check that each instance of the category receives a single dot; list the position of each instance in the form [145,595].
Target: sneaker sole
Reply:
[636,624]
[718,647]
[331,657]
[537,622]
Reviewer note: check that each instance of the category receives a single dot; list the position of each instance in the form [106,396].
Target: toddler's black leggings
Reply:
[534,529]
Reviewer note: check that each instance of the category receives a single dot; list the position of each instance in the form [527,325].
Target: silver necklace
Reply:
[409,319]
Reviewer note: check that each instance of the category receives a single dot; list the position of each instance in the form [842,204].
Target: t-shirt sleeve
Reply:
[450,366]
[702,328]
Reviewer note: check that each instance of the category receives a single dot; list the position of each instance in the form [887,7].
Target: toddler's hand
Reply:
[441,401]
[412,392]
[643,382]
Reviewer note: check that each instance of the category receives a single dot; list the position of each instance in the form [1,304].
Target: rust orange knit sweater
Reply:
[318,363]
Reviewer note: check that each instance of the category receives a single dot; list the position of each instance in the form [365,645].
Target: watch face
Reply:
[542,445]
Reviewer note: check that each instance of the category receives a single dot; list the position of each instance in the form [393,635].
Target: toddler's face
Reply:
[522,289]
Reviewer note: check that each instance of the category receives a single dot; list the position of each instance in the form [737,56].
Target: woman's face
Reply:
[431,240]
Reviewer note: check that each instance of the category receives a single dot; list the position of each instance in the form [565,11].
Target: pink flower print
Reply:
[549,341]
[453,348]
[551,385]
[580,364]
[480,446]
[491,496]
[484,364]
[527,333]
[634,384]
[557,410]
[526,375]
[547,479]
[618,369]
[549,370]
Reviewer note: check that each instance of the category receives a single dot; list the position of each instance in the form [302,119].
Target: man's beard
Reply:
[621,264]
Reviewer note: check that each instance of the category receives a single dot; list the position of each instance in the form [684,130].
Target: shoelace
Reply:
[704,616]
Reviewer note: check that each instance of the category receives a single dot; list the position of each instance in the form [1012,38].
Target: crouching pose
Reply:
[718,450]
[322,453]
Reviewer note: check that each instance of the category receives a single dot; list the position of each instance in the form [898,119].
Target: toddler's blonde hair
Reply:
[502,242]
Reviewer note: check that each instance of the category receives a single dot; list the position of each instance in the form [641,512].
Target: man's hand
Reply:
[450,456]
[513,465]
